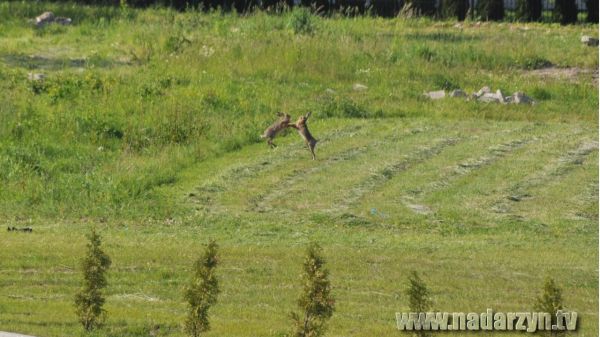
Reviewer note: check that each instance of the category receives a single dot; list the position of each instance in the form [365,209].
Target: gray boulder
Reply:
[520,98]
[458,93]
[49,17]
[44,18]
[359,87]
[489,97]
[588,40]
[435,94]
[482,91]
[36,77]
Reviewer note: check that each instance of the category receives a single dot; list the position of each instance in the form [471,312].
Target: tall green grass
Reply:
[131,97]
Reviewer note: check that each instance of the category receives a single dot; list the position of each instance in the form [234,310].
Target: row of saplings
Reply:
[316,302]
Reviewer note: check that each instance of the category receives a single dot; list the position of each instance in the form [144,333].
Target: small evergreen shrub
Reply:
[89,300]
[316,303]
[551,299]
[302,21]
[202,292]
[419,298]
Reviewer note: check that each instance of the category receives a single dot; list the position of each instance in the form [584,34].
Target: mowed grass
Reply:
[147,127]
[437,213]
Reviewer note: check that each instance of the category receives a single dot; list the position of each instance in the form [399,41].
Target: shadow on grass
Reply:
[55,63]
[442,37]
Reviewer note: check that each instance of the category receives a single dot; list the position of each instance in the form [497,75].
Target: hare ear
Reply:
[280,114]
[308,114]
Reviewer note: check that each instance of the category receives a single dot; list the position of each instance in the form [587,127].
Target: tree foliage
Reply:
[551,299]
[592,11]
[89,300]
[202,292]
[454,9]
[316,303]
[491,9]
[565,11]
[529,10]
[419,297]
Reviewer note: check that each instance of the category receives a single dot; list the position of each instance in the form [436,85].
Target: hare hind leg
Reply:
[311,147]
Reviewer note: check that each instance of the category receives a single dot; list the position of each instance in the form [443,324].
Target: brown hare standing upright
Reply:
[302,128]
[275,128]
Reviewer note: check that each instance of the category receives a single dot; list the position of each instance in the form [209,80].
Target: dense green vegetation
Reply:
[133,97]
[147,126]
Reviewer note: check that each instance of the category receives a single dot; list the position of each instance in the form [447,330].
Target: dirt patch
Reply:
[571,74]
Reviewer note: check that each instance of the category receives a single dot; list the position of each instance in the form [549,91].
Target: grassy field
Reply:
[147,126]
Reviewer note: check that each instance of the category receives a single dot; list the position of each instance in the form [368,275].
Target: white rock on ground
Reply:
[48,17]
[482,91]
[588,40]
[36,76]
[489,97]
[10,334]
[435,94]
[500,96]
[44,18]
[359,87]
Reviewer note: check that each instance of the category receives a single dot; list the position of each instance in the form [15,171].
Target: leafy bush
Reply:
[202,292]
[89,300]
[316,303]
[565,11]
[535,62]
[302,21]
[528,10]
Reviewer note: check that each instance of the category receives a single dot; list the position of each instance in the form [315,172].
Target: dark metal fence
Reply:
[546,5]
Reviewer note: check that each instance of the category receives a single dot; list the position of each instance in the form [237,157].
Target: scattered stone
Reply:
[590,41]
[500,96]
[48,18]
[44,18]
[482,91]
[458,93]
[436,94]
[63,21]
[485,95]
[489,98]
[520,98]
[22,229]
[359,87]
[36,77]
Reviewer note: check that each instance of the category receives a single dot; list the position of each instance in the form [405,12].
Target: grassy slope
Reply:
[426,189]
